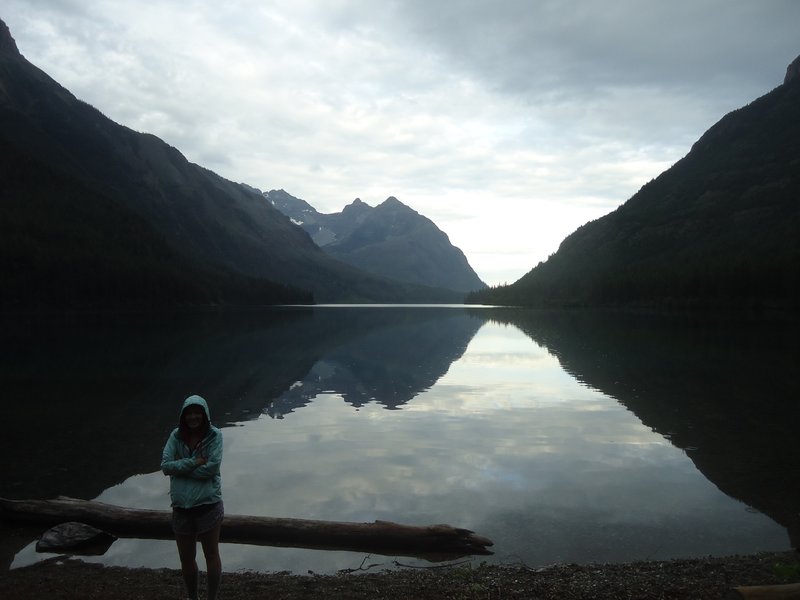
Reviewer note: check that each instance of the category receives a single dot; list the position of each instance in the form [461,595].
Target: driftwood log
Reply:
[380,537]
[789,591]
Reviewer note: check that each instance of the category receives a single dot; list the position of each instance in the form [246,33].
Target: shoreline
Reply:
[677,579]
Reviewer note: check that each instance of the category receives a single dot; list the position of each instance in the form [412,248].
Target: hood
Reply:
[199,401]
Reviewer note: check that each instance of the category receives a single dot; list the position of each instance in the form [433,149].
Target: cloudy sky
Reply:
[509,123]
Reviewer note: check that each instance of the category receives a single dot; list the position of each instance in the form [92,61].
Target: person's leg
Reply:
[210,542]
[187,549]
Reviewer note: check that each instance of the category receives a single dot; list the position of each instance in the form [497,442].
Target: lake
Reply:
[562,436]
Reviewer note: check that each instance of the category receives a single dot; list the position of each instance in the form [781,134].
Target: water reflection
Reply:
[527,442]
[389,355]
[724,389]
[102,391]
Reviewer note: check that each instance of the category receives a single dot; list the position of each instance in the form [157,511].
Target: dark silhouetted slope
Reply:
[719,228]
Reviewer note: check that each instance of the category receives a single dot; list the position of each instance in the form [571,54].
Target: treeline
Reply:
[748,258]
[64,245]
[705,283]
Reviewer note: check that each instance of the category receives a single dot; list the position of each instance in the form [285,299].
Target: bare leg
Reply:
[210,542]
[187,549]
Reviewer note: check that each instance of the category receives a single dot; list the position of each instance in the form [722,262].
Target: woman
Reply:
[192,458]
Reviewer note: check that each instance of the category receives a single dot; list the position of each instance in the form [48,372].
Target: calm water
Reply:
[561,436]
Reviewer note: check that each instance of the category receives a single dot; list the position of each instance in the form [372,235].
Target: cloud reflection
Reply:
[522,453]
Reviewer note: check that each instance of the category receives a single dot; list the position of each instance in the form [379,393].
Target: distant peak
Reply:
[7,43]
[357,206]
[392,202]
[393,206]
[792,71]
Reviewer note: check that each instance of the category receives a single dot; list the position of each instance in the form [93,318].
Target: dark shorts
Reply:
[198,519]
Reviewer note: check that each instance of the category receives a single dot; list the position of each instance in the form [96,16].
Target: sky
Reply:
[509,123]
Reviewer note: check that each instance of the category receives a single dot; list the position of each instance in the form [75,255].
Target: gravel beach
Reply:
[707,578]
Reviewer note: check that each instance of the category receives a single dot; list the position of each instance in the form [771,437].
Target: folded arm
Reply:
[212,452]
[176,466]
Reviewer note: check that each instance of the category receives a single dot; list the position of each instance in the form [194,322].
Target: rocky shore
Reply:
[707,578]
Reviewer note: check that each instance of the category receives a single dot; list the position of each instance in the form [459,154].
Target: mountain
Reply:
[94,213]
[719,228]
[66,245]
[391,240]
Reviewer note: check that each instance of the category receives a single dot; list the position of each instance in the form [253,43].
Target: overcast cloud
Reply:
[510,123]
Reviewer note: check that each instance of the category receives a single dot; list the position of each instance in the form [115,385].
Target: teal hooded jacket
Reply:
[192,484]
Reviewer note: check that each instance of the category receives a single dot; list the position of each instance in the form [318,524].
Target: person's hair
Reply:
[183,429]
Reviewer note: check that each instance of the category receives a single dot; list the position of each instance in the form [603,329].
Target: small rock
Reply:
[75,538]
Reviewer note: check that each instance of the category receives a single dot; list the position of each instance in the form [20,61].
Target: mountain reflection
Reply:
[379,355]
[723,390]
[101,393]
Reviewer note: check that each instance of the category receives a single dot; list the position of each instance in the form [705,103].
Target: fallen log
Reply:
[380,537]
[789,591]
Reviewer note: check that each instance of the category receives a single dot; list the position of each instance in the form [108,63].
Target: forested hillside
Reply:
[719,228]
[64,245]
